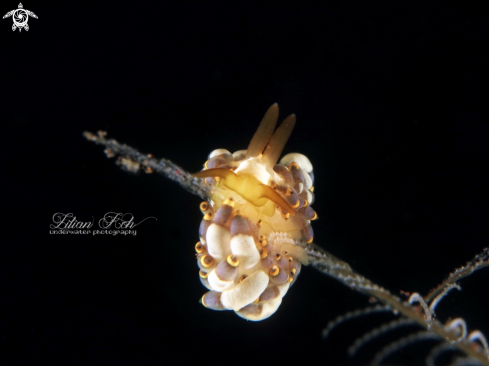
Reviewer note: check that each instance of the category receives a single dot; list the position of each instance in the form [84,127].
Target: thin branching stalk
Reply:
[480,261]
[132,160]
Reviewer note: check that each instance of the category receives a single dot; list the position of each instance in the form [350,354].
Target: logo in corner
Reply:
[20,17]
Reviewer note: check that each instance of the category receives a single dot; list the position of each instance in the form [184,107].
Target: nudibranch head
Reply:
[258,212]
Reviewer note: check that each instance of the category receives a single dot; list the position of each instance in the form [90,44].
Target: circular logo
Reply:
[20,17]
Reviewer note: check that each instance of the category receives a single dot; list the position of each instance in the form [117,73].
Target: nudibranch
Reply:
[257,214]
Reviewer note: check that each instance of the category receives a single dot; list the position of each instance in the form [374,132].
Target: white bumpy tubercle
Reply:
[248,254]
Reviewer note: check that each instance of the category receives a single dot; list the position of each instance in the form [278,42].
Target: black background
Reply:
[391,101]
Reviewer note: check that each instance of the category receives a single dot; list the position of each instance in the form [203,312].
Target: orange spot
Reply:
[199,248]
[273,271]
[204,206]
